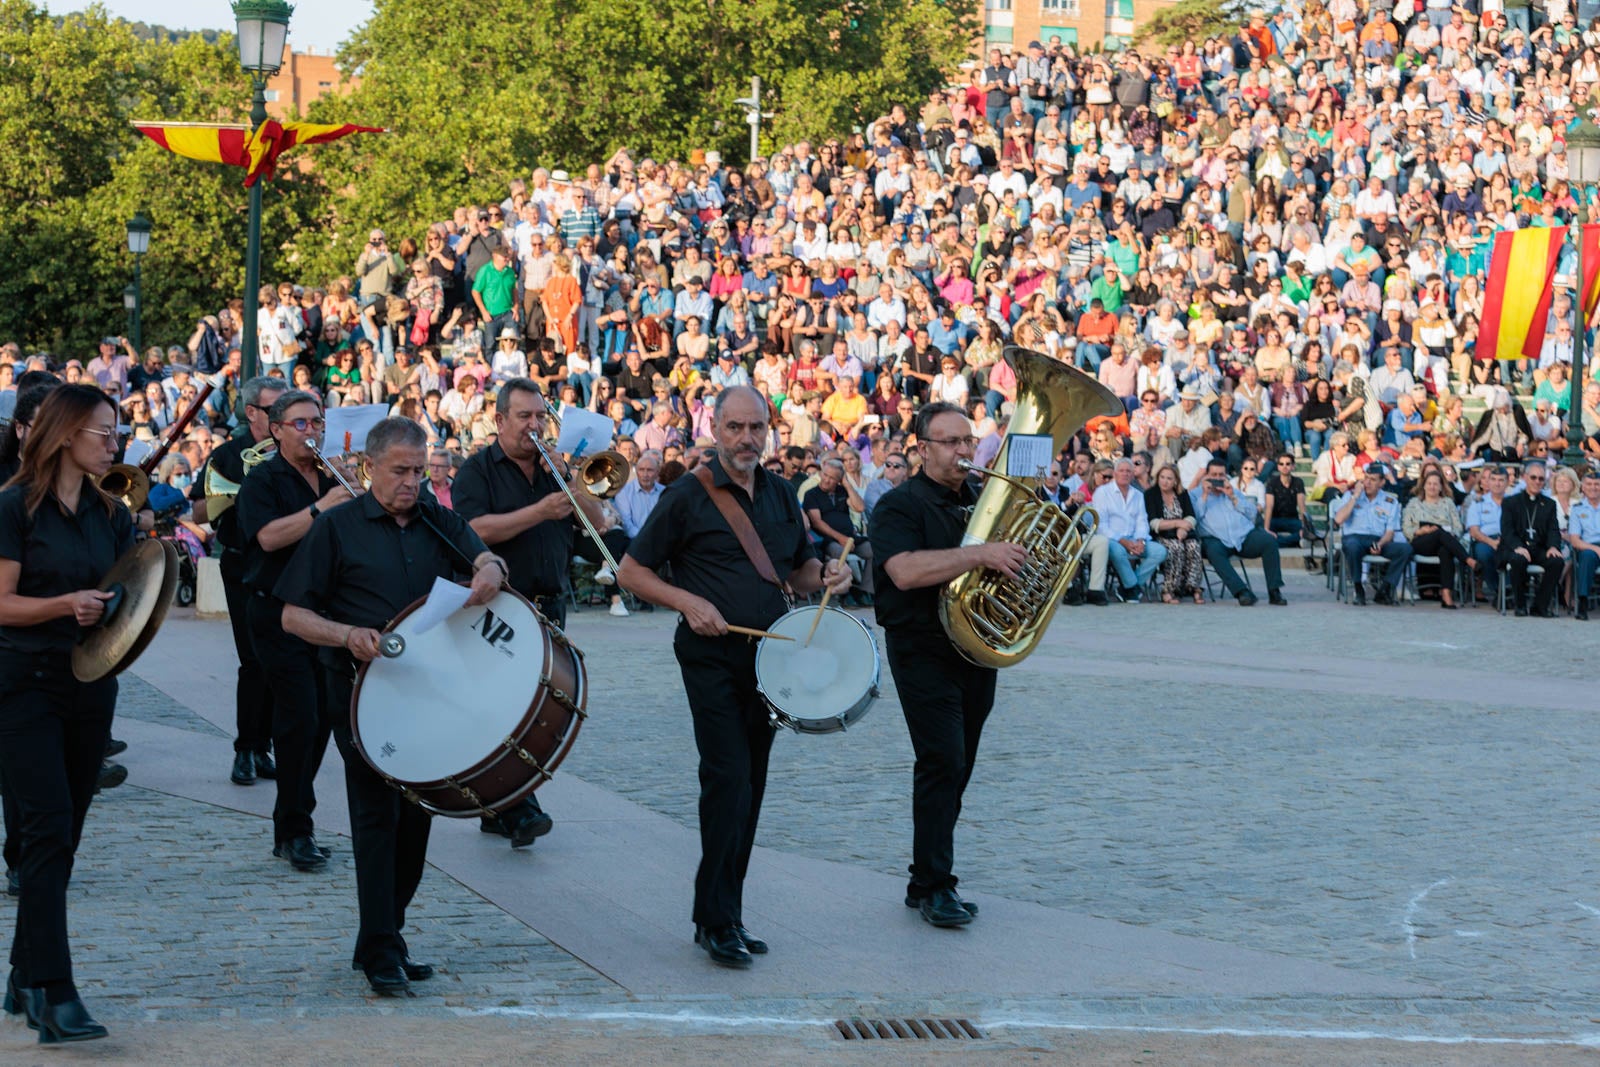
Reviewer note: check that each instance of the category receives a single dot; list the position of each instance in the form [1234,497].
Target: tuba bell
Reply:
[128,483]
[221,491]
[993,620]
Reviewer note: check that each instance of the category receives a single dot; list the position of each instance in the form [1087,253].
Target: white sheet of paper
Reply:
[583,432]
[1029,455]
[355,421]
[444,600]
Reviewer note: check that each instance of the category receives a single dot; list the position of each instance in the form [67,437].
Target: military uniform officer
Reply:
[1369,519]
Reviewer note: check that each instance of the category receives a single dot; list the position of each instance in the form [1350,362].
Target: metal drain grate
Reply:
[910,1029]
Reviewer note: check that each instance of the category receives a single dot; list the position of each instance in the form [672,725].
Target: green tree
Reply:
[1191,20]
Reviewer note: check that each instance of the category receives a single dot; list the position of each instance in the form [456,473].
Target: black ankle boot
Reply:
[59,1023]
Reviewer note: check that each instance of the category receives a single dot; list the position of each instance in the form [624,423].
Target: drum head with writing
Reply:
[454,694]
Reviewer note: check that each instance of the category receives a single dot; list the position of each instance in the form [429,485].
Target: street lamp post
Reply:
[263,27]
[138,245]
[1583,163]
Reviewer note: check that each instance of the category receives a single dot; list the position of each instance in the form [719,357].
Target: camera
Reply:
[1216,483]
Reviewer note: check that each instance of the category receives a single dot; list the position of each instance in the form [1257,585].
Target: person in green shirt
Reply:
[495,291]
[1296,282]
[1124,251]
[1108,288]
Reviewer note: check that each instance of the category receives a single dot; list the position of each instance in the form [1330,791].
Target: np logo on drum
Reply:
[497,633]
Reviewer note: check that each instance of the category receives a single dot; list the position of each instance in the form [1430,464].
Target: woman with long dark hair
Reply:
[59,535]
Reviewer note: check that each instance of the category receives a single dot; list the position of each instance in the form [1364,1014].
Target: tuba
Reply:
[993,620]
[221,492]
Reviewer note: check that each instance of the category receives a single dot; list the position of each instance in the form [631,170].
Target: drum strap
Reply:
[741,525]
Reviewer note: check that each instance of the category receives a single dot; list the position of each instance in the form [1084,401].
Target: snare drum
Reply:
[474,714]
[823,687]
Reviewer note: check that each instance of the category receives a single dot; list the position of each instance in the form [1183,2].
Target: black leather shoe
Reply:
[1098,599]
[1522,611]
[111,776]
[944,909]
[302,854]
[1361,595]
[13,883]
[115,747]
[1275,598]
[1582,614]
[323,850]
[390,981]
[265,768]
[1548,613]
[59,1023]
[416,972]
[723,945]
[916,902]
[756,946]
[1383,596]
[530,827]
[17,1001]
[1246,598]
[244,769]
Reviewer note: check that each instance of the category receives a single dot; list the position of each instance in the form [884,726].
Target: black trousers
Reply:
[389,836]
[53,732]
[13,847]
[1447,546]
[733,731]
[553,608]
[1549,581]
[946,701]
[253,700]
[301,718]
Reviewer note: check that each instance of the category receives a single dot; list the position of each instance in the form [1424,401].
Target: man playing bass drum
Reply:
[519,509]
[916,533]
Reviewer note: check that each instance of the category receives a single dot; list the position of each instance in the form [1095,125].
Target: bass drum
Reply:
[471,715]
[823,687]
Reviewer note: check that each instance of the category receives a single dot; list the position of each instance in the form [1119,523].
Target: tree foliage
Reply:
[480,92]
[75,171]
[1191,20]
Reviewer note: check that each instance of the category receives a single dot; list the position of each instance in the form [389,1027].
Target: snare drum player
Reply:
[357,568]
[59,535]
[917,530]
[717,580]
[278,502]
[517,507]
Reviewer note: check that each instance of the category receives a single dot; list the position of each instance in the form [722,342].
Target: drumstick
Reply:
[752,632]
[849,546]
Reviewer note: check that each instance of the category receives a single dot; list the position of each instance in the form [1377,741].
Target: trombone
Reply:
[603,475]
[329,466]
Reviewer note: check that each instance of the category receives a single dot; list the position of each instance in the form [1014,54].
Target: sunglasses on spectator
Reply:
[894,466]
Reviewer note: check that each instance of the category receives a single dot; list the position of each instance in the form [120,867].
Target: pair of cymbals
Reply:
[141,582]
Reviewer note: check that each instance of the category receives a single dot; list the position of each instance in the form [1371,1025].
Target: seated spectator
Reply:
[1227,524]
[1172,522]
[1369,519]
[1530,534]
[1127,529]
[830,507]
[1285,510]
[1432,524]
[1583,536]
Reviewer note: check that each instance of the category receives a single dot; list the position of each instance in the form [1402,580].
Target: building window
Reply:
[1059,9]
[1068,34]
[997,5]
[996,35]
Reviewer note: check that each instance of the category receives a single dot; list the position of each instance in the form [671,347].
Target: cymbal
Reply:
[143,580]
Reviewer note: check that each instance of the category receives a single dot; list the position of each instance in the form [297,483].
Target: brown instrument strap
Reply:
[741,525]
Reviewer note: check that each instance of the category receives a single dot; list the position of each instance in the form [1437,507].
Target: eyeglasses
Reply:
[306,425]
[894,466]
[98,432]
[953,442]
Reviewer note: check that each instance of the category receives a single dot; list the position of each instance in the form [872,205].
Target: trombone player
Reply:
[917,529]
[254,704]
[517,506]
[276,507]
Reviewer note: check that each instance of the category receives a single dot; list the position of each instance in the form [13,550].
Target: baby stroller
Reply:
[169,506]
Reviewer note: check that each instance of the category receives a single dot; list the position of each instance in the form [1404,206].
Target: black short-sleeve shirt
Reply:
[1285,498]
[273,490]
[360,567]
[228,460]
[917,515]
[491,483]
[834,507]
[687,531]
[59,553]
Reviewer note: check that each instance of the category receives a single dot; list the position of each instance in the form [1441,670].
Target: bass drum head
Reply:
[454,694]
[823,687]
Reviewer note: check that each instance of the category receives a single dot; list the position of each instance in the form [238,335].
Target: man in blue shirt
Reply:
[946,333]
[692,302]
[1483,519]
[1404,422]
[760,289]
[1369,518]
[728,372]
[1583,534]
[1126,526]
[1227,520]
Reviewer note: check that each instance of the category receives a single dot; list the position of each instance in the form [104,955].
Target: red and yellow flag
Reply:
[1517,298]
[1591,271]
[234,145]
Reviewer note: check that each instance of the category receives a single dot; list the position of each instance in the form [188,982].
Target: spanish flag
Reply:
[1591,272]
[1516,301]
[236,146]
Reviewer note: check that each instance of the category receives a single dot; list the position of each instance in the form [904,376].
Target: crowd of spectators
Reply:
[1271,245]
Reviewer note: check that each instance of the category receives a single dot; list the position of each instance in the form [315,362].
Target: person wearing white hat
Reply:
[509,360]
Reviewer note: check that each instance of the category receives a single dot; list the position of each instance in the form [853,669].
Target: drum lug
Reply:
[560,697]
[403,790]
[472,798]
[510,745]
[844,723]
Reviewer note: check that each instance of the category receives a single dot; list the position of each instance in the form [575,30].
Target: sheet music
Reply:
[357,421]
[1029,455]
[583,432]
[444,600]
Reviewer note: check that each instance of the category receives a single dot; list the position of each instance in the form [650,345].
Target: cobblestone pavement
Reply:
[1349,785]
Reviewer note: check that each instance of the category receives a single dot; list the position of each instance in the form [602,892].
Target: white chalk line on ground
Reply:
[1411,910]
[1592,911]
[700,1020]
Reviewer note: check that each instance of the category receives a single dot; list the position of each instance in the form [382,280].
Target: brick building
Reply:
[1011,24]
[303,77]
